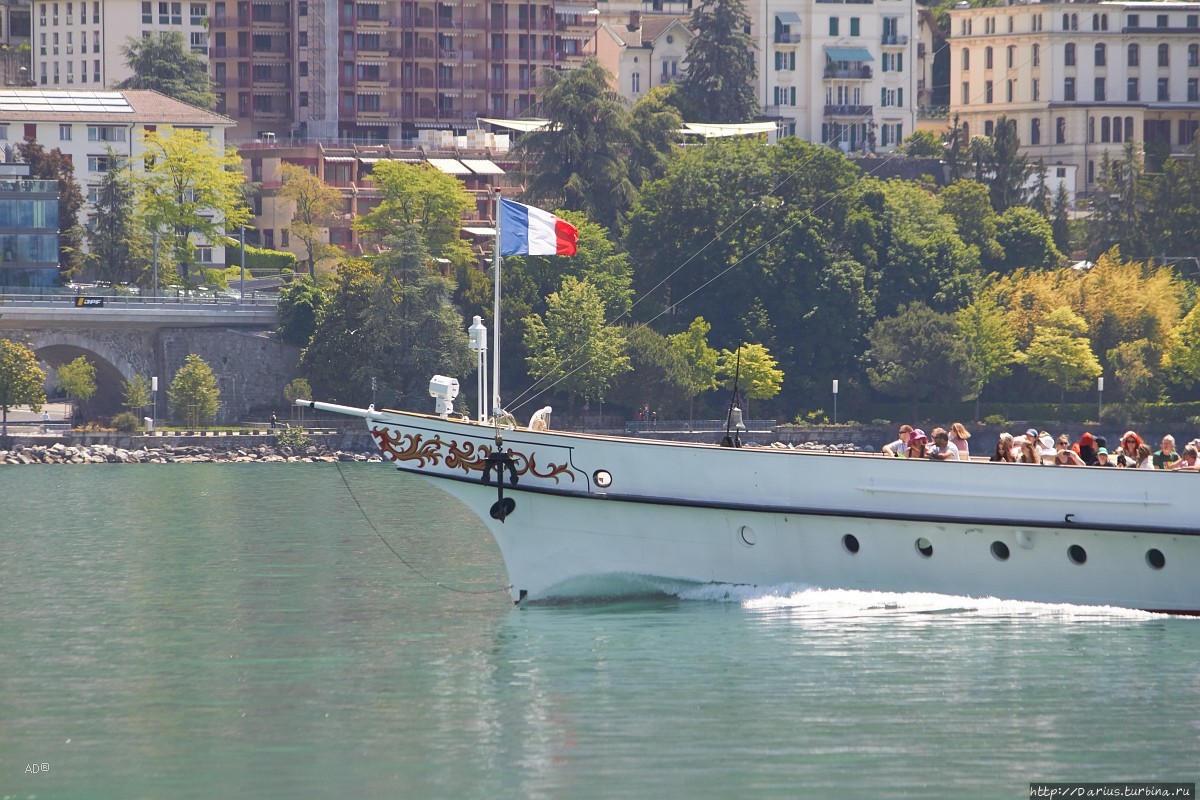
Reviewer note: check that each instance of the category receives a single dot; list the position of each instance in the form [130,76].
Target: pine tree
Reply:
[193,394]
[117,248]
[164,63]
[719,85]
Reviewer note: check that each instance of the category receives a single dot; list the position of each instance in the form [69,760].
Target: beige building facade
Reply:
[1080,80]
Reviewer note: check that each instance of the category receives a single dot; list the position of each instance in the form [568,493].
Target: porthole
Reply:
[924,547]
[603,478]
[1155,558]
[850,542]
[748,535]
[1077,554]
[1000,551]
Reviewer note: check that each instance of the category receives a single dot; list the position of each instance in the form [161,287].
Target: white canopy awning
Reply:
[479,231]
[450,166]
[715,130]
[525,125]
[340,159]
[481,166]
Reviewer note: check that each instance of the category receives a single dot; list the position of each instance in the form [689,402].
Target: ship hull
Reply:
[592,516]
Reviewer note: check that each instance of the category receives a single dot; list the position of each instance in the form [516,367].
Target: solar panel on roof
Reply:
[64,102]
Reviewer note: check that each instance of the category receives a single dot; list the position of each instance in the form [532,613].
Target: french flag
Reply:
[529,231]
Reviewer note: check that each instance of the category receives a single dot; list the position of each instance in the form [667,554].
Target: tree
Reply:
[1183,354]
[1118,207]
[336,360]
[657,374]
[53,165]
[78,380]
[970,206]
[1009,169]
[412,331]
[758,374]
[1060,220]
[719,85]
[1060,352]
[918,354]
[316,204]
[297,389]
[193,394]
[581,156]
[1172,220]
[956,145]
[1027,240]
[118,250]
[421,197]
[300,304]
[190,187]
[991,345]
[655,123]
[924,144]
[22,381]
[571,350]
[700,360]
[164,62]
[136,393]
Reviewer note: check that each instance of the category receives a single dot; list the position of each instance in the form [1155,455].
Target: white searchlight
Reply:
[443,390]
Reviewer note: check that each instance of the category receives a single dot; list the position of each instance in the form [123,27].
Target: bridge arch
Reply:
[116,361]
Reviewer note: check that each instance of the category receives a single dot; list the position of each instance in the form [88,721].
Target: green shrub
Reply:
[127,422]
[996,419]
[294,438]
[260,260]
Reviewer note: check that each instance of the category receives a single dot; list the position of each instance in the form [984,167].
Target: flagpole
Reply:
[496,310]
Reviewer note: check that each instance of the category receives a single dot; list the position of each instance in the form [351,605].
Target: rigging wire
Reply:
[401,558]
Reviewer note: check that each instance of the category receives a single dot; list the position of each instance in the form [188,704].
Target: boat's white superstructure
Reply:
[577,514]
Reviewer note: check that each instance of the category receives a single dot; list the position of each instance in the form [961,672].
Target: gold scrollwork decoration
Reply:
[467,457]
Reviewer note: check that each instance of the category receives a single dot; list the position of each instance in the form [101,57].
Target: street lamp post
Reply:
[835,393]
[1099,397]
[242,245]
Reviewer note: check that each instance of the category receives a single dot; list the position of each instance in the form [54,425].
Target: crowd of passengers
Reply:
[1039,447]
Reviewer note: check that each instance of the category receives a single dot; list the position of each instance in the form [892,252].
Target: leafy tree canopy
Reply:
[22,381]
[719,85]
[420,196]
[166,64]
[193,395]
[315,204]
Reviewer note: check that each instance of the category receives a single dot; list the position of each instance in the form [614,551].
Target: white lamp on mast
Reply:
[477,341]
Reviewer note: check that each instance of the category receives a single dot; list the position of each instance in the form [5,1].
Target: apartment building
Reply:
[843,73]
[375,71]
[78,44]
[1079,79]
[84,124]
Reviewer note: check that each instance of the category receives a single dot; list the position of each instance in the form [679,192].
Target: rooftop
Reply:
[129,106]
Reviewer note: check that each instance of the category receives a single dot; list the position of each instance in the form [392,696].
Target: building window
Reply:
[1069,90]
[1069,54]
[833,26]
[989,127]
[1164,55]
[987,58]
[1134,55]
[1100,55]
[1131,90]
[966,59]
[106,133]
[1010,56]
[1035,131]
[1193,90]
[854,26]
[987,92]
[966,93]
[1099,91]
[1194,55]
[64,133]
[1060,130]
[98,163]
[1163,21]
[1132,21]
[1036,56]
[1105,129]
[1164,90]
[1036,90]
[1008,91]
[636,82]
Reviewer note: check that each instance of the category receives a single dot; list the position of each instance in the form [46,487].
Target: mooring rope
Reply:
[401,558]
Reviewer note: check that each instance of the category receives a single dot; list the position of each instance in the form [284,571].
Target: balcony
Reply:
[787,38]
[896,39]
[849,73]
[848,111]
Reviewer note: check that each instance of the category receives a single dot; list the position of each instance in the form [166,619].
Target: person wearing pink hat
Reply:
[917,442]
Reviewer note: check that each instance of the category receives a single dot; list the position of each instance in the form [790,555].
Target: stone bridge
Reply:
[239,342]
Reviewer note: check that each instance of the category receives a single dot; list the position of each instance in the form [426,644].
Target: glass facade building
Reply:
[28,233]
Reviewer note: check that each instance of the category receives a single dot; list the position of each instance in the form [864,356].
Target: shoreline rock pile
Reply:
[168,454]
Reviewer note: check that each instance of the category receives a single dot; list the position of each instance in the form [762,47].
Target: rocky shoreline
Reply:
[60,453]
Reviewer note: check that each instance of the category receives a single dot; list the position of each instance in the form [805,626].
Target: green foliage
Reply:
[758,373]
[582,163]
[337,359]
[300,305]
[991,345]
[165,63]
[657,375]
[259,260]
[136,393]
[77,379]
[571,350]
[193,394]
[699,360]
[22,381]
[719,85]
[655,123]
[969,204]
[421,198]
[315,205]
[118,249]
[923,144]
[1027,240]
[995,419]
[297,389]
[1007,166]
[920,354]
[1060,351]
[126,422]
[295,438]
[190,188]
